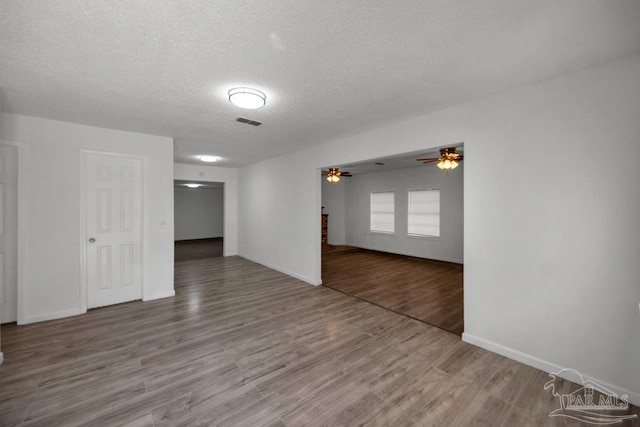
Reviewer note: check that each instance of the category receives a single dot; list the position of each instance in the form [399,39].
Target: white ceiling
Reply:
[329,68]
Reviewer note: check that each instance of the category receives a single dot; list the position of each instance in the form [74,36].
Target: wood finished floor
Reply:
[430,291]
[186,250]
[242,345]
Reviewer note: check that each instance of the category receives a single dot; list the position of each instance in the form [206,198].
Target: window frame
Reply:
[425,236]
[371,229]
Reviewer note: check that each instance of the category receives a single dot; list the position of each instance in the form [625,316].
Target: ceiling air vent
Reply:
[247,121]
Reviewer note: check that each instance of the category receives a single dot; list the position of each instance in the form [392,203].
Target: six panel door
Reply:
[114,228]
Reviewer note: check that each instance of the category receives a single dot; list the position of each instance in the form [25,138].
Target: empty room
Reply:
[419,213]
[393,231]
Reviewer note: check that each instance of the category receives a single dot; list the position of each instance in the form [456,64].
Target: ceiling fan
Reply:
[334,174]
[447,161]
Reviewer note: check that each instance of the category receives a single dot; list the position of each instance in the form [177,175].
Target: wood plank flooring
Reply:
[427,290]
[242,345]
[186,250]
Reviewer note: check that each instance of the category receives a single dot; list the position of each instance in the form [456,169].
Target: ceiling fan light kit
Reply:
[334,174]
[447,161]
[447,164]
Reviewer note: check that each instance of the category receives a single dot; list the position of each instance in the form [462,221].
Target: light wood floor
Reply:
[242,345]
[187,250]
[427,290]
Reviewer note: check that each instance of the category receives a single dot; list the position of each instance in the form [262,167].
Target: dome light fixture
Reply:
[209,159]
[248,98]
[193,185]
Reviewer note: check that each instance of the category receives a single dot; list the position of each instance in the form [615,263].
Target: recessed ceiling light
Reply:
[245,97]
[209,159]
[193,185]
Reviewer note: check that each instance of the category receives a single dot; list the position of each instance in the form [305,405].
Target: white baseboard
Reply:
[285,271]
[1,358]
[160,295]
[51,316]
[408,253]
[543,365]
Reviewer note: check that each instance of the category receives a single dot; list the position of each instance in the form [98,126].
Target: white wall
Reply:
[333,200]
[50,287]
[229,177]
[448,247]
[198,212]
[1,97]
[552,242]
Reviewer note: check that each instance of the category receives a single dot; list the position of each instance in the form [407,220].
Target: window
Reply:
[383,212]
[424,213]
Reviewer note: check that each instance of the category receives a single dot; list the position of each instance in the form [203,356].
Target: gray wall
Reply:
[554,244]
[198,213]
[448,247]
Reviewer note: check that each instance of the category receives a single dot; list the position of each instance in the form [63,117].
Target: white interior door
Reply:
[8,233]
[113,218]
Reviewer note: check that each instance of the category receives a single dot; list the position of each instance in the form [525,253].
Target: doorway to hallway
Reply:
[199,219]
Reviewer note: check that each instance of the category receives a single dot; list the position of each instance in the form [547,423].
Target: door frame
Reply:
[22,228]
[82,155]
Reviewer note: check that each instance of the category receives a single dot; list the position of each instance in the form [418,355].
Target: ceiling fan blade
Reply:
[345,174]
[428,160]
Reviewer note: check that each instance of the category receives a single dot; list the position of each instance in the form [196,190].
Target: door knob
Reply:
[92,240]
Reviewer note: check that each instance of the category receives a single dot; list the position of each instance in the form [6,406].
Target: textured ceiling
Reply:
[329,68]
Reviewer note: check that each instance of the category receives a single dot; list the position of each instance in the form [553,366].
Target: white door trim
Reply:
[83,219]
[22,228]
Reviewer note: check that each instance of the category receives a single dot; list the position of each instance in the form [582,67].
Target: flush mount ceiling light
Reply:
[246,97]
[193,185]
[209,159]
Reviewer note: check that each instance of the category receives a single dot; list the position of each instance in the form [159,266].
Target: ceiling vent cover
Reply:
[247,121]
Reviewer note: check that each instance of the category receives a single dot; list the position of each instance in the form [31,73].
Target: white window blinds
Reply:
[383,212]
[424,213]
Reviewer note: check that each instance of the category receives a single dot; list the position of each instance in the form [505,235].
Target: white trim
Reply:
[543,365]
[1,358]
[145,223]
[82,173]
[159,295]
[285,271]
[82,223]
[409,253]
[22,229]
[53,316]
[317,237]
